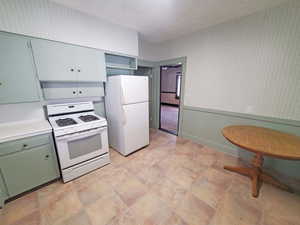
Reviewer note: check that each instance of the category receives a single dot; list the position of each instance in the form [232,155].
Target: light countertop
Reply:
[22,129]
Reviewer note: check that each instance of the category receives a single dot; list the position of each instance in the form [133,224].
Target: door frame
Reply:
[159,119]
[183,61]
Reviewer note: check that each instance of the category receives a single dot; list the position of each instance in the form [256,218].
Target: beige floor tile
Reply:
[90,192]
[31,219]
[81,218]
[118,159]
[271,219]
[284,205]
[61,209]
[243,192]
[131,190]
[194,211]
[218,177]
[105,209]
[234,210]
[53,192]
[19,209]
[170,192]
[174,219]
[113,175]
[161,216]
[151,176]
[126,218]
[208,192]
[206,159]
[169,164]
[157,154]
[135,166]
[149,208]
[182,176]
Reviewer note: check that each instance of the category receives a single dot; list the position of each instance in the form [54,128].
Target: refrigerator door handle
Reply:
[123,115]
[122,96]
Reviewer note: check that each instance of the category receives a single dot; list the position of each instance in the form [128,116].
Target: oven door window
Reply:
[84,146]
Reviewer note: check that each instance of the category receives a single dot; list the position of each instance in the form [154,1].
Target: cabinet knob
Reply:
[47,157]
[79,70]
[25,145]
[0,83]
[80,92]
[71,69]
[74,92]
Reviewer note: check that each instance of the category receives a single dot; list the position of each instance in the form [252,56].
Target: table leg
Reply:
[256,175]
[240,170]
[271,180]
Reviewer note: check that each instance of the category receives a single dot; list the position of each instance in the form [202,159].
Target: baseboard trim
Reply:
[216,146]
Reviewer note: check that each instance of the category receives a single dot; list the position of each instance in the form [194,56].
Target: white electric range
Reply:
[80,137]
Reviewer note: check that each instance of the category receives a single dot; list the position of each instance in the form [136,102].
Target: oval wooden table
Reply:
[262,142]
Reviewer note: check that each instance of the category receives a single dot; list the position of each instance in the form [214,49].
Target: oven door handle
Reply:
[82,134]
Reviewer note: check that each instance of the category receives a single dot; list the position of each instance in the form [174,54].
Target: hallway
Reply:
[169,118]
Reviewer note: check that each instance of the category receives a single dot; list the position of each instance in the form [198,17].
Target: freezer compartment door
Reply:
[136,127]
[134,89]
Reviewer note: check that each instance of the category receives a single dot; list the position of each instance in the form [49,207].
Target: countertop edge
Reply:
[31,134]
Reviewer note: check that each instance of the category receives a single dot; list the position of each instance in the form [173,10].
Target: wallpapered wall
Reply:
[248,65]
[45,19]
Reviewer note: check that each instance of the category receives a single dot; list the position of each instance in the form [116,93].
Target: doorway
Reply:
[170,88]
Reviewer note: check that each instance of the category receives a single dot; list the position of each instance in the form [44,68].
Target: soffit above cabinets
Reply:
[160,20]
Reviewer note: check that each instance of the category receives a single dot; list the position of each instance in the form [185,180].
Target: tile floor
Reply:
[171,182]
[169,118]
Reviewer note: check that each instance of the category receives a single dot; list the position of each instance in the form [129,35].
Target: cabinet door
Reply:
[91,65]
[17,73]
[28,169]
[3,191]
[91,90]
[60,90]
[54,61]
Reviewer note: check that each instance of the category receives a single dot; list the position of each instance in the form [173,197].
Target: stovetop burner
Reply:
[65,122]
[88,118]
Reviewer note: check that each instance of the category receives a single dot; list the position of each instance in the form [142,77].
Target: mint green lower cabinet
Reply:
[3,191]
[28,169]
[24,168]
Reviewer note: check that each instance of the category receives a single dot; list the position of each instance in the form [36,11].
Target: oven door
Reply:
[82,146]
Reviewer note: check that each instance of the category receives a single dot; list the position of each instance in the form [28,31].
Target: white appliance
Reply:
[127,109]
[80,136]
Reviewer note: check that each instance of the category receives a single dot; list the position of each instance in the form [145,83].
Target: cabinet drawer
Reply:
[23,144]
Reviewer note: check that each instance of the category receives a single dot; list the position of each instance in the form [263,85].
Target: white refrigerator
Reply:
[127,111]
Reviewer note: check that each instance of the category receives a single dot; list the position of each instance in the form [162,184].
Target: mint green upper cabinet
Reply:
[91,65]
[64,62]
[54,61]
[17,72]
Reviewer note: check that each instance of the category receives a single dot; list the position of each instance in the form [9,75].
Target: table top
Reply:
[265,141]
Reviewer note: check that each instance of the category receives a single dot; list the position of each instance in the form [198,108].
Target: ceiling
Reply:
[161,20]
